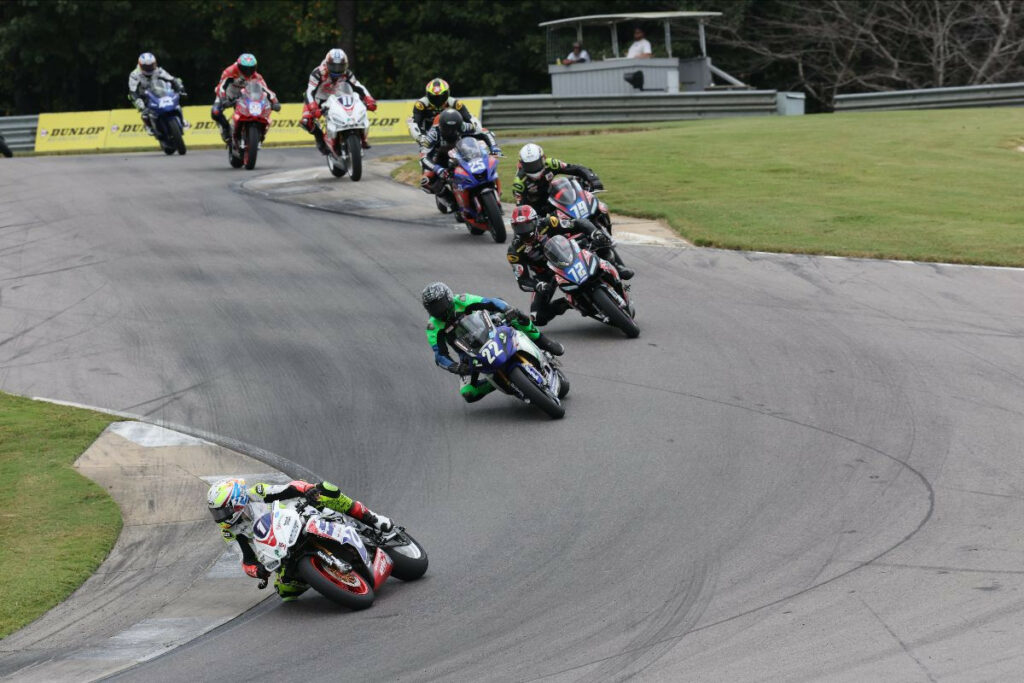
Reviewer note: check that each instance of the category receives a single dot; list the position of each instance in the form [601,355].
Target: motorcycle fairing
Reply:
[336,531]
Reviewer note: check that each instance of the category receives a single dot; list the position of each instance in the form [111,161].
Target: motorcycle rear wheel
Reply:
[252,145]
[355,156]
[535,394]
[493,211]
[335,587]
[403,565]
[616,315]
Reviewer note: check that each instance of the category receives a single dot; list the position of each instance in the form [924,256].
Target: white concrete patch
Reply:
[623,237]
[152,436]
[149,638]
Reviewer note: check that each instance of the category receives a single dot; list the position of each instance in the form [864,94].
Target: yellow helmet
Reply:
[438,92]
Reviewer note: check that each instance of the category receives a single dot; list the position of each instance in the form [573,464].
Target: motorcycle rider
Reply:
[141,79]
[534,174]
[230,86]
[530,266]
[230,503]
[324,81]
[445,310]
[427,108]
[434,157]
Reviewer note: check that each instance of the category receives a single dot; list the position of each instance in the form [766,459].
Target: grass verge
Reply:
[56,526]
[919,185]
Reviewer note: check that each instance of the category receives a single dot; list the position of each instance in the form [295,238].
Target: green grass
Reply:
[929,186]
[56,526]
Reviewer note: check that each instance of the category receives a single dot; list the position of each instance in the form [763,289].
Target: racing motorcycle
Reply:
[346,120]
[164,105]
[476,187]
[591,284]
[341,558]
[570,200]
[510,361]
[249,125]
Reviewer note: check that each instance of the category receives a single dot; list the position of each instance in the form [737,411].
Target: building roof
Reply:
[629,16]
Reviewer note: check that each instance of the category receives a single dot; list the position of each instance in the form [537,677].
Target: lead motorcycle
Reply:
[510,361]
[346,119]
[341,558]
[591,284]
[249,126]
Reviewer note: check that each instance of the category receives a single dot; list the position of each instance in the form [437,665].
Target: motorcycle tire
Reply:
[252,146]
[535,394]
[355,157]
[174,138]
[493,211]
[563,387]
[408,560]
[326,581]
[616,315]
[475,231]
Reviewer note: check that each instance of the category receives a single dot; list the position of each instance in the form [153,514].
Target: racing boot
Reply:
[225,129]
[321,144]
[444,204]
[365,142]
[548,344]
[624,272]
[289,590]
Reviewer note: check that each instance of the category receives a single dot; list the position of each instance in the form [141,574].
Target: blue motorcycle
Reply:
[509,360]
[476,188]
[164,105]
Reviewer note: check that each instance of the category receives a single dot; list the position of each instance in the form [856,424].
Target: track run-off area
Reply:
[804,467]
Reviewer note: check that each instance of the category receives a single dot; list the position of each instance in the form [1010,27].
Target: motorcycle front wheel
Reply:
[408,558]
[535,395]
[174,137]
[355,156]
[252,145]
[616,315]
[493,212]
[350,590]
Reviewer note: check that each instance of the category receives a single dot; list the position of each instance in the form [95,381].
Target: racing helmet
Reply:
[438,92]
[247,64]
[524,222]
[437,299]
[147,62]
[226,500]
[337,63]
[531,160]
[449,125]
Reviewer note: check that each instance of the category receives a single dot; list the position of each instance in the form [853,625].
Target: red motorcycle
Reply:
[249,125]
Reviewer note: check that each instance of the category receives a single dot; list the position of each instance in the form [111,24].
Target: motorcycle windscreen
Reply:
[564,193]
[469,149]
[159,87]
[473,331]
[559,251]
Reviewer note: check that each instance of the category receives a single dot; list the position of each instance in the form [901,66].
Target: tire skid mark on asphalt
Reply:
[634,652]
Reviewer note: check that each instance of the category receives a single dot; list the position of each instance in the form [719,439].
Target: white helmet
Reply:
[147,62]
[337,62]
[531,160]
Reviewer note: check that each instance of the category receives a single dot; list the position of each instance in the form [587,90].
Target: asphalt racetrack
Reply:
[804,468]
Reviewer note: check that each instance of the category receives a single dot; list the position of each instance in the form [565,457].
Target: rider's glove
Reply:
[496,151]
[371,104]
[600,239]
[276,106]
[514,314]
[445,174]
[423,141]
[312,496]
[542,287]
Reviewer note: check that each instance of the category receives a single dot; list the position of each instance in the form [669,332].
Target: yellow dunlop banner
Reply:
[72,131]
[122,128]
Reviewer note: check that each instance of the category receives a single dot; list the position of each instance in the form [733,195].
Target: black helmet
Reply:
[450,126]
[524,222]
[438,299]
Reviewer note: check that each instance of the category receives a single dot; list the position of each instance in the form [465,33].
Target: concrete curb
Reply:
[169,578]
[390,199]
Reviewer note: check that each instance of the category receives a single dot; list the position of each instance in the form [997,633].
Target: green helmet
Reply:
[247,64]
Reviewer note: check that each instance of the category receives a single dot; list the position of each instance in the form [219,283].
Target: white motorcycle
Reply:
[341,558]
[345,116]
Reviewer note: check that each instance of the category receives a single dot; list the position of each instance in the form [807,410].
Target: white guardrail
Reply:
[1002,95]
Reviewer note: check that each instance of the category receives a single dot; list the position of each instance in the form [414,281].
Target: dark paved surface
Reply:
[803,468]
